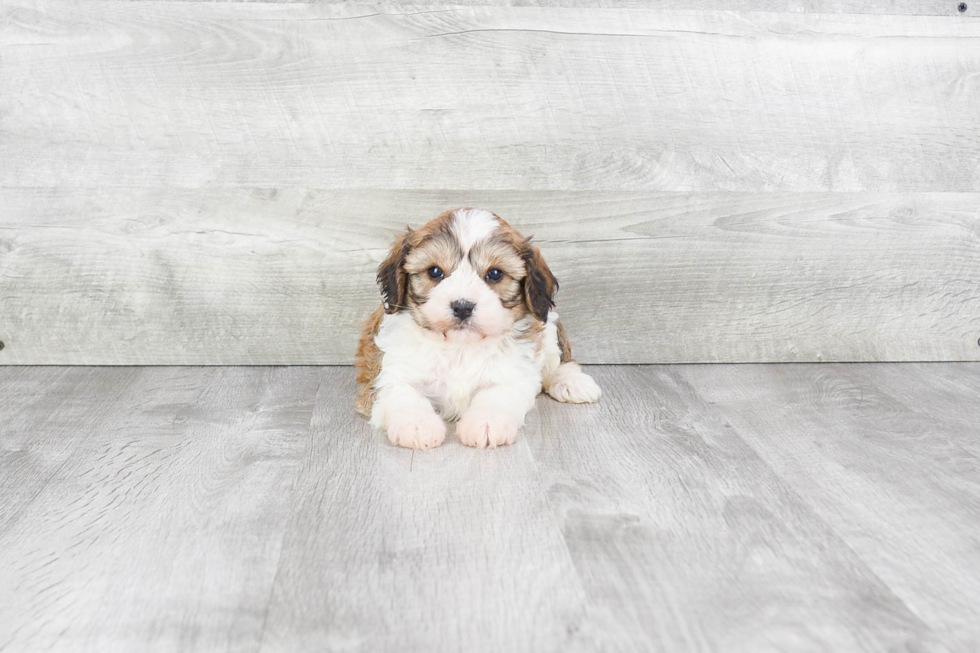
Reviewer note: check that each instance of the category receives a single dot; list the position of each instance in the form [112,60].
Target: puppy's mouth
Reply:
[453,328]
[462,329]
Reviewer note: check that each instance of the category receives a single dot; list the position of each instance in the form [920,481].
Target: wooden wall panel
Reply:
[310,95]
[877,7]
[214,183]
[229,276]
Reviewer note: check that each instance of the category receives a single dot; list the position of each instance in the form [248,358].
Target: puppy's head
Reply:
[467,275]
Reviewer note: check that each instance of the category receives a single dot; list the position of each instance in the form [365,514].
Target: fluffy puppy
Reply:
[466,333]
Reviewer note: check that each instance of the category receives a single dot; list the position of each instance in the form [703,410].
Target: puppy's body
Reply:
[466,333]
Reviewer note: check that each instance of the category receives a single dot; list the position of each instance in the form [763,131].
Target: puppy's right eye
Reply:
[435,273]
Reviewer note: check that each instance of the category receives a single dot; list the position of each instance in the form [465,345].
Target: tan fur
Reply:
[502,254]
[434,244]
[564,344]
[513,253]
[367,361]
[431,244]
[525,289]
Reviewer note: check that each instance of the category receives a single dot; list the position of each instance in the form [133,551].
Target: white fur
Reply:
[488,385]
[489,318]
[569,384]
[550,349]
[566,381]
[473,225]
[424,373]
[484,375]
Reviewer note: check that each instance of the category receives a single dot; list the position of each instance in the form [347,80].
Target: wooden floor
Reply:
[736,508]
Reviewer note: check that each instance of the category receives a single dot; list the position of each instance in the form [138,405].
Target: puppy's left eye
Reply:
[494,275]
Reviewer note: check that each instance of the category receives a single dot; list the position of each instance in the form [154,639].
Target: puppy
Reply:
[466,333]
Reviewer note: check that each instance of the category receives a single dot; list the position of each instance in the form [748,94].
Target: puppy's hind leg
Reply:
[563,378]
[569,384]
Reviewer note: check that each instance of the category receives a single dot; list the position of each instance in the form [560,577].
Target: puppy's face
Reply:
[467,275]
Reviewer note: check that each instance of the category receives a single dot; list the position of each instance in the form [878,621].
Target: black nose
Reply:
[462,309]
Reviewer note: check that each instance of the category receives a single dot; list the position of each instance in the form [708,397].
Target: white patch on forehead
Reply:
[472,226]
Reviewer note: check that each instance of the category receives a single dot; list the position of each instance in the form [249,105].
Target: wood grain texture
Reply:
[212,183]
[897,7]
[934,395]
[894,477]
[161,530]
[46,413]
[730,508]
[393,550]
[226,276]
[685,538]
[312,95]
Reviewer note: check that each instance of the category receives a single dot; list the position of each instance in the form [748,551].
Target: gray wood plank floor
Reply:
[723,507]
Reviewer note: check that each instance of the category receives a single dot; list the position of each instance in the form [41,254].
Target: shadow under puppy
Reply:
[466,332]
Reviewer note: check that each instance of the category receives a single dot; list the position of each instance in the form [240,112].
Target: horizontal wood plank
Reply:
[343,96]
[896,7]
[159,159]
[224,276]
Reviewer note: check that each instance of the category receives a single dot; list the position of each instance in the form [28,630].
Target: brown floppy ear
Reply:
[540,285]
[391,274]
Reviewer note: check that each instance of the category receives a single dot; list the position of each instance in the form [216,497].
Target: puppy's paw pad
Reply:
[576,389]
[483,430]
[417,432]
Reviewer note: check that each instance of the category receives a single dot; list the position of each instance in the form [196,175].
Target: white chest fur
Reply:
[449,372]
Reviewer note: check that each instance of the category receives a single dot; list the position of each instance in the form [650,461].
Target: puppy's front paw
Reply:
[575,388]
[418,431]
[482,429]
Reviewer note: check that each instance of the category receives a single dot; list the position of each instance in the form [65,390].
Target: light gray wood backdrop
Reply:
[214,183]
